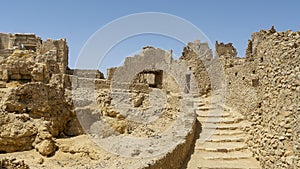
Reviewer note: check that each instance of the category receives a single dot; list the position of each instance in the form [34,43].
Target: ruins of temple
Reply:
[195,112]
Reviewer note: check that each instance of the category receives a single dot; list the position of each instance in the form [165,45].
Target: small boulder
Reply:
[46,147]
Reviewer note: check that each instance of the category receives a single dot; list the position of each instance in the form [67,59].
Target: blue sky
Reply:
[225,21]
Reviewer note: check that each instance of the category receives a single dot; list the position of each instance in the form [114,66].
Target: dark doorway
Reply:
[154,78]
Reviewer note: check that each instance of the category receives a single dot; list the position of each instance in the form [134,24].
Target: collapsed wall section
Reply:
[198,56]
[25,57]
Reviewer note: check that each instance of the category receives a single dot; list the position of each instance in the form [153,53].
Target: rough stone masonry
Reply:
[37,110]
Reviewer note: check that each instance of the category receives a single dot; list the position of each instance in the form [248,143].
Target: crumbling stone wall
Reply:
[198,56]
[26,57]
[34,103]
[93,74]
[110,72]
[227,53]
[265,88]
[226,49]
[32,114]
[4,40]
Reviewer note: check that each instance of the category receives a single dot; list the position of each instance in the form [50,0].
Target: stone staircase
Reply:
[221,143]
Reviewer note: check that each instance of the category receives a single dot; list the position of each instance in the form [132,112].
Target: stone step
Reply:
[234,155]
[212,114]
[199,104]
[225,120]
[221,126]
[200,163]
[206,108]
[211,109]
[221,147]
[223,105]
[210,100]
[221,143]
[220,106]
[227,132]
[226,138]
[212,105]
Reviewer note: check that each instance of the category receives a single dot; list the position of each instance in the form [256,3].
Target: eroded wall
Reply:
[26,57]
[198,57]
[265,88]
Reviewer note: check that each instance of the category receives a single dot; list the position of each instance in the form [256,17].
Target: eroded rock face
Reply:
[12,163]
[35,112]
[34,106]
[40,100]
[17,132]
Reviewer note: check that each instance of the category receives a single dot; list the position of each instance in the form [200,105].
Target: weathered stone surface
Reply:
[38,105]
[198,57]
[32,59]
[46,147]
[12,163]
[2,84]
[27,98]
[269,102]
[39,100]
[17,132]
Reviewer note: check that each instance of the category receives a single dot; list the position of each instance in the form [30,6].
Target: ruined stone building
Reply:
[200,111]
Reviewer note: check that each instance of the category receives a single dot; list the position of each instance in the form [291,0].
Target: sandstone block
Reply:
[46,147]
